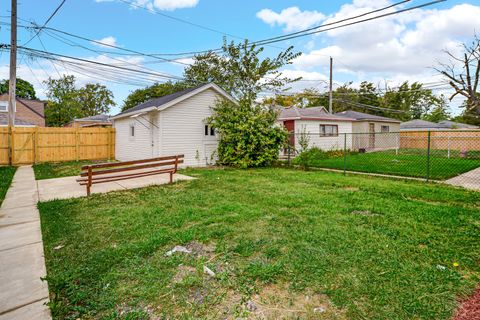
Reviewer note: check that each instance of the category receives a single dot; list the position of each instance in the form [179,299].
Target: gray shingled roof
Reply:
[457,125]
[98,117]
[18,122]
[157,102]
[364,116]
[421,124]
[319,113]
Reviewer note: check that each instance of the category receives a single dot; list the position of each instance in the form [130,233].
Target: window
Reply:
[3,106]
[209,130]
[132,130]
[385,129]
[327,130]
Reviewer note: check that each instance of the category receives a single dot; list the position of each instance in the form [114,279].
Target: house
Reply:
[421,125]
[169,125]
[322,128]
[457,125]
[370,123]
[101,120]
[383,132]
[28,113]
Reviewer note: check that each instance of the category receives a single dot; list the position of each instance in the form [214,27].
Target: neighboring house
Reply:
[169,125]
[27,113]
[457,125]
[421,125]
[372,124]
[101,120]
[322,128]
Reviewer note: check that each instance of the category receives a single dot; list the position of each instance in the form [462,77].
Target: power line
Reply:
[47,55]
[288,37]
[47,21]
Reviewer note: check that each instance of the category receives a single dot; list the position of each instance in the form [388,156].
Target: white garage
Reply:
[169,125]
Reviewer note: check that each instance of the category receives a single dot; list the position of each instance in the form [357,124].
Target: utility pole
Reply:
[13,79]
[330,94]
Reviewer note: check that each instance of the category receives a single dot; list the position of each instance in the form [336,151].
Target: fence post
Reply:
[12,145]
[34,138]
[76,144]
[428,155]
[345,154]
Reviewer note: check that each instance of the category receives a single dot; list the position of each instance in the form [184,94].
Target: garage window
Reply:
[327,130]
[385,129]
[209,130]
[132,130]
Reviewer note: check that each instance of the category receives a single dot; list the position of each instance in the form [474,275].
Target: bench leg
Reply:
[171,177]
[88,190]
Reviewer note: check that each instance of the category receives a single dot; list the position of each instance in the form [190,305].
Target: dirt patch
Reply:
[364,213]
[182,273]
[201,250]
[470,308]
[277,302]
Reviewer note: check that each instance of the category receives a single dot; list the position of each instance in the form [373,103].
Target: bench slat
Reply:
[135,174]
[136,167]
[116,178]
[126,163]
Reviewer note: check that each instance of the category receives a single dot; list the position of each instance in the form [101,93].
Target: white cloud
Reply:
[293,18]
[107,41]
[166,5]
[408,44]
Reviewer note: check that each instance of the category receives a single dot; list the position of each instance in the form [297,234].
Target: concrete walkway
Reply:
[469,180]
[22,292]
[68,187]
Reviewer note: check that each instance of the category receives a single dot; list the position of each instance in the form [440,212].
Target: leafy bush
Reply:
[249,136]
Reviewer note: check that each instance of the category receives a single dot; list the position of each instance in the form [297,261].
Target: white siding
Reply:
[182,129]
[325,143]
[378,141]
[132,148]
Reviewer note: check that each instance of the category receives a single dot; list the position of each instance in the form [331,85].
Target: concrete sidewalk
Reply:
[22,292]
[68,187]
[468,180]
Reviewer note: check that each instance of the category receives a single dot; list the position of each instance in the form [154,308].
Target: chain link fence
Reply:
[430,155]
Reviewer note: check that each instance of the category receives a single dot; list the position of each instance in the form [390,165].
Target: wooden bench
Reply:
[114,171]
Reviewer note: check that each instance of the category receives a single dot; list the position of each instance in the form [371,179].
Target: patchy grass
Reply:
[283,244]
[49,170]
[405,163]
[6,176]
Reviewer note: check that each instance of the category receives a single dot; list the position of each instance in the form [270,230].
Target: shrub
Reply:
[249,135]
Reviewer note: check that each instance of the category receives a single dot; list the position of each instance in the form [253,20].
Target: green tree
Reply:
[439,112]
[240,71]
[66,102]
[24,89]
[156,90]
[248,134]
[94,99]
[414,100]
[63,104]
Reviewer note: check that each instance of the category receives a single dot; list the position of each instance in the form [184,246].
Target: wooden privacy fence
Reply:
[441,140]
[34,145]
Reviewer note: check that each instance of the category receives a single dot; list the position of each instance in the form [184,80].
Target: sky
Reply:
[386,51]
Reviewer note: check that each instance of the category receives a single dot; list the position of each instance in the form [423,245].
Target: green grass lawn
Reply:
[288,240]
[403,164]
[49,170]
[6,176]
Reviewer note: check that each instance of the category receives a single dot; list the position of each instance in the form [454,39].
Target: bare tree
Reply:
[465,80]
